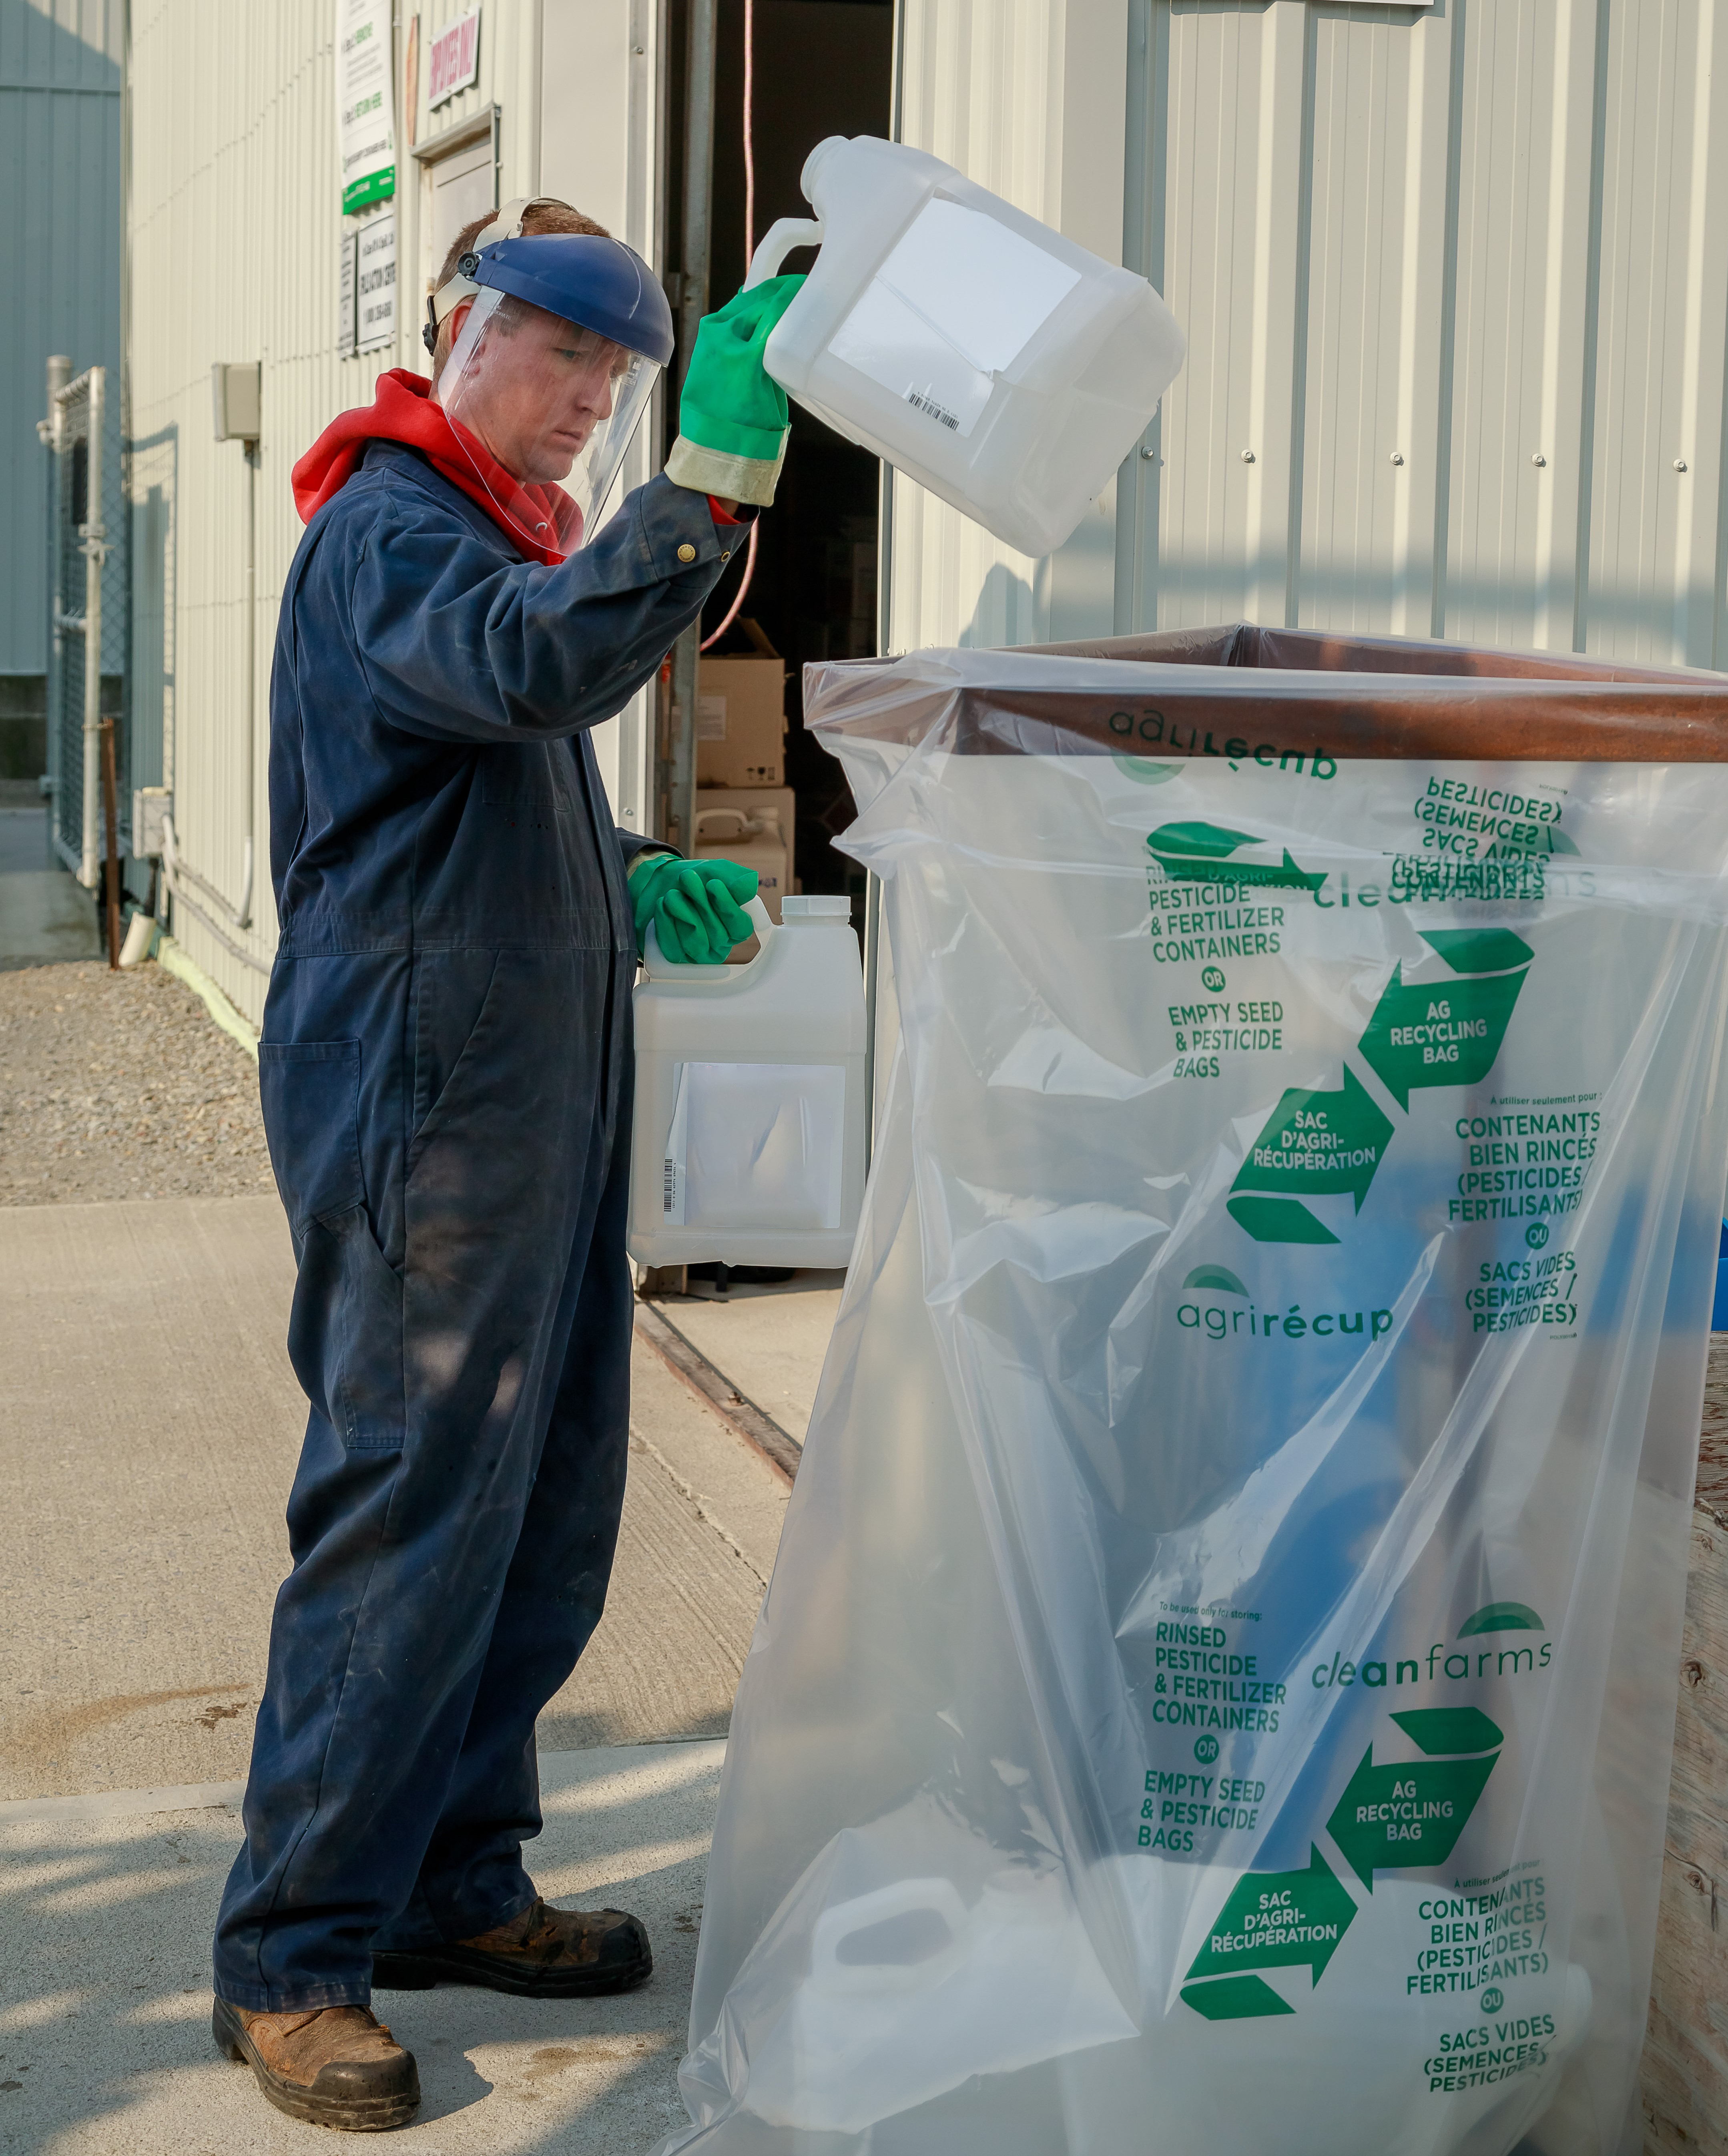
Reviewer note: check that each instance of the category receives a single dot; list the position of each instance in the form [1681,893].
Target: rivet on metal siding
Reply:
[1679,464]
[1397,457]
[1248,456]
[1151,455]
[1539,458]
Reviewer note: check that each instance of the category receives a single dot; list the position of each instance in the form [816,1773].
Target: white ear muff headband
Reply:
[449,296]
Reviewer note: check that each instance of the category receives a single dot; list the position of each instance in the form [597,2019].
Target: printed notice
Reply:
[366,107]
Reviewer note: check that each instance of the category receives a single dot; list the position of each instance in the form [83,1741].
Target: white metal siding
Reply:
[1025,97]
[60,64]
[235,229]
[601,150]
[1466,238]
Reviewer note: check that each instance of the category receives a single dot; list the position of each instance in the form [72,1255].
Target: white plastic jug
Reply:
[978,351]
[749,1135]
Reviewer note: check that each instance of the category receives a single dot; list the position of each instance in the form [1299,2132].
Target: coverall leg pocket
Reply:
[345,1330]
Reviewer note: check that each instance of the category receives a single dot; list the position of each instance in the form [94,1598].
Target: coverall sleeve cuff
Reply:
[635,848]
[733,478]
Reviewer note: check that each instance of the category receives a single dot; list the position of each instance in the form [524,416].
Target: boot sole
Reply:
[421,1972]
[375,2114]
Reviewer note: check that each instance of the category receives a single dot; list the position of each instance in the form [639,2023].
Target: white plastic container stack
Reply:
[749,1141]
[978,351]
[752,834]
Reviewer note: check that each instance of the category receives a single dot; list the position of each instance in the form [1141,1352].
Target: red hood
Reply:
[402,411]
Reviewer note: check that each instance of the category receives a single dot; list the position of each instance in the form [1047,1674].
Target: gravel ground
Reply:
[119,1085]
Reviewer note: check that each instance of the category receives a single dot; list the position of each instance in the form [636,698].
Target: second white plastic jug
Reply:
[748,1144]
[979,352]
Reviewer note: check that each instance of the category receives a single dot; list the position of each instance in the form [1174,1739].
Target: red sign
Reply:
[455,59]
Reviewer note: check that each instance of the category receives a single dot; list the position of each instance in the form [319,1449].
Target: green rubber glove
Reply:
[697,907]
[732,417]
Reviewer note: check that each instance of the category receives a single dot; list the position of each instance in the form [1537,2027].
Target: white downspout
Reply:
[94,552]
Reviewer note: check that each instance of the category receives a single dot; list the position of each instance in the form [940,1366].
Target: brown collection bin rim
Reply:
[1243,643]
[1240,693]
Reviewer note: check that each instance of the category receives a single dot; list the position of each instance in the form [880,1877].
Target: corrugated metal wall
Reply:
[601,150]
[235,232]
[60,64]
[1455,280]
[1025,97]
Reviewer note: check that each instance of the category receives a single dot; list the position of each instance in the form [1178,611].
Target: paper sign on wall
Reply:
[375,283]
[455,59]
[344,291]
[366,103]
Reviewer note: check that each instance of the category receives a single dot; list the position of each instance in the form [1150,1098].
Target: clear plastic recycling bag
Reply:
[1219,1679]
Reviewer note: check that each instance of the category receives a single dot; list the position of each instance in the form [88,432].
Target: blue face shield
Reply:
[562,339]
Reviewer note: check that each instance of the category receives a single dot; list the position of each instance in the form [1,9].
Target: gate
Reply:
[87,653]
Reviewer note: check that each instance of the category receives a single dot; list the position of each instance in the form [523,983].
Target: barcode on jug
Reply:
[924,404]
[669,1192]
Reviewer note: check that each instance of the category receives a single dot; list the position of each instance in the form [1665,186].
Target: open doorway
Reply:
[821,68]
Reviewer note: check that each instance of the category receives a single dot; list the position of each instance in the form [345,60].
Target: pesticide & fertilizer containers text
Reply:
[748,1145]
[977,350]
[1218,1684]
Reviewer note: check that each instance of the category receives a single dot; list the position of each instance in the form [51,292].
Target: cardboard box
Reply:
[740,722]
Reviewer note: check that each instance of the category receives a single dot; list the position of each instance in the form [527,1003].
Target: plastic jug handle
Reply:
[778,241]
[903,1898]
[660,967]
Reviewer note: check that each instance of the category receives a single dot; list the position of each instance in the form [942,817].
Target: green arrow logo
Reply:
[1404,1819]
[1317,1142]
[1447,1035]
[1501,1617]
[1235,1999]
[1203,850]
[1276,1920]
[1478,950]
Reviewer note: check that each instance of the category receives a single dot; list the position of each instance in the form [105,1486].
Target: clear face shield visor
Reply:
[544,410]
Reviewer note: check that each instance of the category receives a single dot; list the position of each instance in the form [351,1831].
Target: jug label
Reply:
[958,300]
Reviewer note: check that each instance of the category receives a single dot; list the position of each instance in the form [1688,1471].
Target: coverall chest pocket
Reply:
[345,1330]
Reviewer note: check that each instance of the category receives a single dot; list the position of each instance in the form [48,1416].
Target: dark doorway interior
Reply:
[821,68]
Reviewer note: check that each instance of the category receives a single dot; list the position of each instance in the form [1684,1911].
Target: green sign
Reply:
[1203,850]
[1279,1920]
[1316,1142]
[1445,1036]
[1398,1818]
[1321,1143]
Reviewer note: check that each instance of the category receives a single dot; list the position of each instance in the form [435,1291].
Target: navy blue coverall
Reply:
[445,1071]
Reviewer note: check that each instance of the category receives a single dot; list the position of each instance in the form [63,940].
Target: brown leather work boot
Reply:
[336,2066]
[542,1954]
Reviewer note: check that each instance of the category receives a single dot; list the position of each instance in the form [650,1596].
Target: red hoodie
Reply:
[402,411]
[542,522]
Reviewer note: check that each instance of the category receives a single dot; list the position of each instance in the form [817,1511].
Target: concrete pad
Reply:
[24,842]
[149,1427]
[104,1984]
[770,1341]
[45,915]
[722,1474]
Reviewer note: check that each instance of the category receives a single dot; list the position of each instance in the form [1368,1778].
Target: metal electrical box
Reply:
[150,804]
[236,388]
